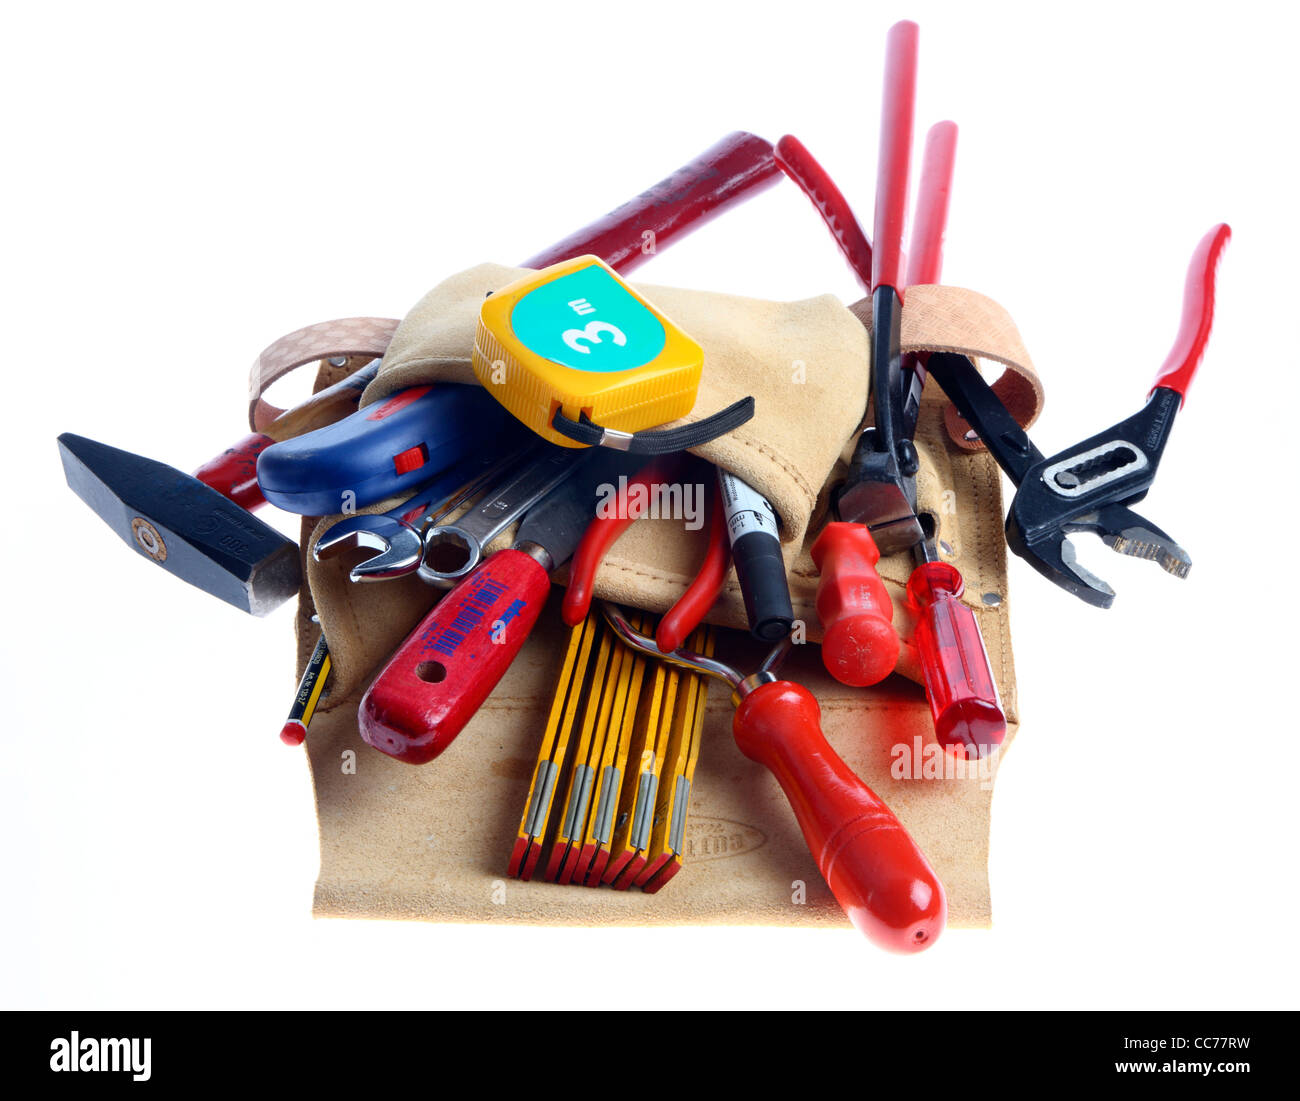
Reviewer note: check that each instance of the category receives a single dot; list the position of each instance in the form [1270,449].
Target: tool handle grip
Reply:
[1198,314]
[860,646]
[871,864]
[736,167]
[447,667]
[895,152]
[233,473]
[814,181]
[702,593]
[925,254]
[958,681]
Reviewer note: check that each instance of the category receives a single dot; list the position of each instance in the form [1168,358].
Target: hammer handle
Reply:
[626,237]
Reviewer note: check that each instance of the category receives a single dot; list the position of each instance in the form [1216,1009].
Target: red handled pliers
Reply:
[694,604]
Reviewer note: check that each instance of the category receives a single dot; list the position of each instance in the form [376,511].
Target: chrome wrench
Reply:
[397,536]
[453,550]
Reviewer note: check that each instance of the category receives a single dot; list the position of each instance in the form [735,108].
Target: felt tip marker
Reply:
[310,688]
[756,551]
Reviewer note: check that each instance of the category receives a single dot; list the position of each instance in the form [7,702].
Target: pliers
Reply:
[694,604]
[1090,486]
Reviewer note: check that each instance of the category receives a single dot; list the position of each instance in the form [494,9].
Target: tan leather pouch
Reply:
[432,841]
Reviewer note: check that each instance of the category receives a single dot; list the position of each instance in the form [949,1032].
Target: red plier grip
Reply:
[693,605]
[701,594]
[1198,314]
[925,252]
[895,151]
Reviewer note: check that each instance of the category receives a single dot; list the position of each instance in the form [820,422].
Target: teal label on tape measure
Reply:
[587,320]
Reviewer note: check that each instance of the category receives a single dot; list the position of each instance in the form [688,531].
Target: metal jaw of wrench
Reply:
[1090,486]
[451,551]
[397,536]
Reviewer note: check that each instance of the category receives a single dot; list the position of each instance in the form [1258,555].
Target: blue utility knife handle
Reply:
[380,451]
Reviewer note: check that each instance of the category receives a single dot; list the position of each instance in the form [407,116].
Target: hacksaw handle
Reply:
[1198,314]
[738,166]
[874,869]
[804,169]
[447,667]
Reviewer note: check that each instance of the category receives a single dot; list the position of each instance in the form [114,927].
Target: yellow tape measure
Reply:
[575,339]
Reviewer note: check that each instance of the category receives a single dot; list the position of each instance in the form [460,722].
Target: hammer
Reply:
[199,526]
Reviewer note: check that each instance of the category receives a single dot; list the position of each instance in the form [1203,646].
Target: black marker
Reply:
[756,550]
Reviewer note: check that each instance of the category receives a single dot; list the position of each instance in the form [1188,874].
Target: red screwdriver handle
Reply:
[860,646]
[1198,314]
[895,153]
[871,864]
[958,681]
[450,663]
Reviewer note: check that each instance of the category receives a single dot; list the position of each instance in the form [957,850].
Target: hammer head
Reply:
[186,527]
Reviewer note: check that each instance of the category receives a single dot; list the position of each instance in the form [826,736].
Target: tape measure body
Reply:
[576,338]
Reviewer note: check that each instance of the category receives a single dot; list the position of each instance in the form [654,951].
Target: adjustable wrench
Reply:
[1088,487]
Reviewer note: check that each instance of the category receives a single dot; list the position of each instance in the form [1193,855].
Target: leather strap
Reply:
[952,319]
[365,337]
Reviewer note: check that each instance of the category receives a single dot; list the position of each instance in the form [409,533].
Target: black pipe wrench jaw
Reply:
[1088,488]
[1085,488]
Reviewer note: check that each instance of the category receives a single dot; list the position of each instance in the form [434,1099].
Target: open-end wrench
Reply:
[453,550]
[397,536]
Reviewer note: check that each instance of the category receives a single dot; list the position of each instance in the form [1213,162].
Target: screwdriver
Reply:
[874,869]
[959,684]
[860,647]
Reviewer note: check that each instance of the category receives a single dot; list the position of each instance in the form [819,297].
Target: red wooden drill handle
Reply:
[1185,356]
[860,646]
[447,667]
[959,683]
[872,866]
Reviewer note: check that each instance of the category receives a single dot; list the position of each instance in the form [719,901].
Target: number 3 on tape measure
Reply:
[574,337]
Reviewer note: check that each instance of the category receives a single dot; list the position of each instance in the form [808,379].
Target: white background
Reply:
[184,184]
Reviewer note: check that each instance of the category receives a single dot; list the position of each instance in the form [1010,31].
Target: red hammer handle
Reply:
[871,864]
